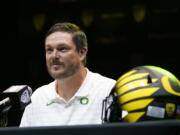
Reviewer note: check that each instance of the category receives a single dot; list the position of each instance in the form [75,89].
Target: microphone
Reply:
[5,106]
[4,102]
[15,99]
[19,95]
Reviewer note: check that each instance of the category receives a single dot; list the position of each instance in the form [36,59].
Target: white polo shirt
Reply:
[85,107]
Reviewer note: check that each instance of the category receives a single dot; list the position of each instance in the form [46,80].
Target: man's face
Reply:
[62,58]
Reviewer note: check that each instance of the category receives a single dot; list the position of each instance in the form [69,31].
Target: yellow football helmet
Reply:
[142,94]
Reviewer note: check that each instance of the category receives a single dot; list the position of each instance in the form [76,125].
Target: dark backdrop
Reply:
[121,34]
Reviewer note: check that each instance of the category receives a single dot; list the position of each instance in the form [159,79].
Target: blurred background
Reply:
[122,34]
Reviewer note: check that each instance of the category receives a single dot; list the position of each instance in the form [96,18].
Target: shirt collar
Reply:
[82,91]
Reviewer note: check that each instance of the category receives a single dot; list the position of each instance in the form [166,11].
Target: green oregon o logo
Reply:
[84,100]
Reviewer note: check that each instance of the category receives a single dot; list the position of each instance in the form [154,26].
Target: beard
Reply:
[68,71]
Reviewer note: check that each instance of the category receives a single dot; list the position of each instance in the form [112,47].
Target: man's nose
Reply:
[55,54]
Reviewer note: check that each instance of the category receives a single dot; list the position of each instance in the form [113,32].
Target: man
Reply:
[76,95]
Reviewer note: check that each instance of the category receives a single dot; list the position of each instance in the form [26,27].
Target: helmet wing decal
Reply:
[132,85]
[136,105]
[132,77]
[144,92]
[168,87]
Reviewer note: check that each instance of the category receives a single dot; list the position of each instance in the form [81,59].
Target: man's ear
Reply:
[83,53]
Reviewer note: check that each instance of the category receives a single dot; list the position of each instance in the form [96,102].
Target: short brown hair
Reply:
[79,37]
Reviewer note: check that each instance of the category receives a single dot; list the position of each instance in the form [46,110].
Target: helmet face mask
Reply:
[146,93]
[111,111]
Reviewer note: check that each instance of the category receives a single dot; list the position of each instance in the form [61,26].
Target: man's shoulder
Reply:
[100,77]
[101,84]
[43,90]
[100,81]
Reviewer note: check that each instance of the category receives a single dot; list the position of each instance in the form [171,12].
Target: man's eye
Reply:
[48,50]
[63,49]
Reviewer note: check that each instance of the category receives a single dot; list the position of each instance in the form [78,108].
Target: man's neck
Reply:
[67,87]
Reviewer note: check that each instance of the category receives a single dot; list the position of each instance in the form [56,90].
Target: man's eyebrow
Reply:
[47,45]
[58,45]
